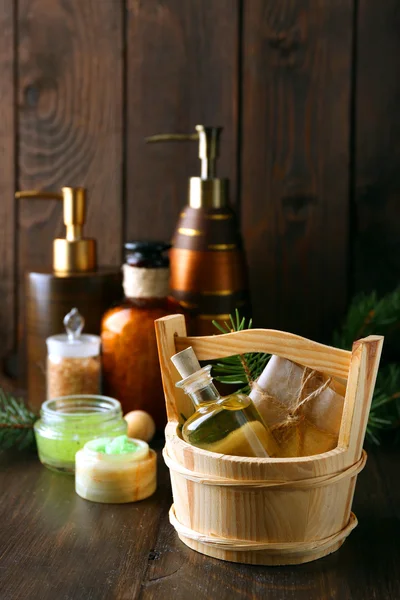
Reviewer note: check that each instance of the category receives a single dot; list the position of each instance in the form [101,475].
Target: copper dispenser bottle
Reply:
[208,269]
[74,282]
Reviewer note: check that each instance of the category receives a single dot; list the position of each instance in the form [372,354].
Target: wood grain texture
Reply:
[296,92]
[181,71]
[47,300]
[103,552]
[241,514]
[278,77]
[7,176]
[268,511]
[176,401]
[171,339]
[329,360]
[70,109]
[54,544]
[377,151]
[365,357]
[363,569]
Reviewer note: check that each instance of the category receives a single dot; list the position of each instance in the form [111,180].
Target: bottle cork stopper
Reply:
[186,362]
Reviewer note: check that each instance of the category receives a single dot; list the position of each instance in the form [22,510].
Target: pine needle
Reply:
[385,406]
[242,369]
[16,423]
[366,315]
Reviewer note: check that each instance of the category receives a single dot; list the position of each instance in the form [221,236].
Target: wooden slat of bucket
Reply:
[262,515]
[329,360]
[167,330]
[360,388]
[265,515]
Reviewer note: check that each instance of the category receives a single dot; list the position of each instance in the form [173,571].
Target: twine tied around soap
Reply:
[294,416]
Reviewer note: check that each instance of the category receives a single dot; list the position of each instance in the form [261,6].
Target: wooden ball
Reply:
[140,425]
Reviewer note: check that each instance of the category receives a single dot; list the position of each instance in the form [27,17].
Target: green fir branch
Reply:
[16,423]
[385,406]
[370,315]
[242,369]
[367,315]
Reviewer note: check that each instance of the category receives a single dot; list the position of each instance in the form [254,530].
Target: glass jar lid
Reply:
[73,344]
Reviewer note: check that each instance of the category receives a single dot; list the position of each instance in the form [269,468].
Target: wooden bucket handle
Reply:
[358,367]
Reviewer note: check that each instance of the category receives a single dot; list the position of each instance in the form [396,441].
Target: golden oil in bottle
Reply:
[227,425]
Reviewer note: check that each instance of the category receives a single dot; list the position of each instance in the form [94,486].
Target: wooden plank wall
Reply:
[308,97]
[7,176]
[377,147]
[181,67]
[297,65]
[70,122]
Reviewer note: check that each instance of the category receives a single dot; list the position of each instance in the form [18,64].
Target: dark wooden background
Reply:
[308,93]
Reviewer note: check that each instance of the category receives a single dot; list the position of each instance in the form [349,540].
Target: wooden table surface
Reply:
[56,546]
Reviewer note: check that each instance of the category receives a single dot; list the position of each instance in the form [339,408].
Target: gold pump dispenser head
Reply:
[208,190]
[74,253]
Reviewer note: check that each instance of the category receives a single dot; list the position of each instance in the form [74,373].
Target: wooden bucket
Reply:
[267,511]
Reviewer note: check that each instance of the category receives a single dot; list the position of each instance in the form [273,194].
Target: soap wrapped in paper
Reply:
[300,406]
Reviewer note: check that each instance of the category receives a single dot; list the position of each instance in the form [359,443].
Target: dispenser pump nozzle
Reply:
[74,253]
[208,150]
[208,138]
[207,191]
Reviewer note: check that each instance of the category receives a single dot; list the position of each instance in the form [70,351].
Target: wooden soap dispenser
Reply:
[208,270]
[74,281]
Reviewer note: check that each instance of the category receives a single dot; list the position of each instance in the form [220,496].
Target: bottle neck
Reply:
[199,387]
[144,283]
[205,395]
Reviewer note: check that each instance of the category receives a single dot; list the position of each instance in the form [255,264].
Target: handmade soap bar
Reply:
[140,425]
[115,470]
[300,406]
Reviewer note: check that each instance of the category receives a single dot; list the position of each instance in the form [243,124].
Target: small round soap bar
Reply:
[140,425]
[115,470]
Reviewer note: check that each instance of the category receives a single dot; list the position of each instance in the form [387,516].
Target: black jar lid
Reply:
[147,253]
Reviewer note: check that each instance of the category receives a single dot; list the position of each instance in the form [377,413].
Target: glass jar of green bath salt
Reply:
[67,423]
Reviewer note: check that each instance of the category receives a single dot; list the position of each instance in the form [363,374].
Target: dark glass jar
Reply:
[131,371]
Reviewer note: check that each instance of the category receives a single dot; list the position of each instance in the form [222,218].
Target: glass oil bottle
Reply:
[227,425]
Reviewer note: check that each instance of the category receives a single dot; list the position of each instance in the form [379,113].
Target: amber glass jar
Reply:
[131,371]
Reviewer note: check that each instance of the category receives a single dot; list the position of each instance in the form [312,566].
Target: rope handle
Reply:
[249,545]
[318,481]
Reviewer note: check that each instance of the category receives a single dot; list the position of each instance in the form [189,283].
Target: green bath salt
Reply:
[118,445]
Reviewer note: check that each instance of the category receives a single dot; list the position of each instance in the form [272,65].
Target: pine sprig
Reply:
[242,369]
[366,315]
[16,423]
[385,406]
